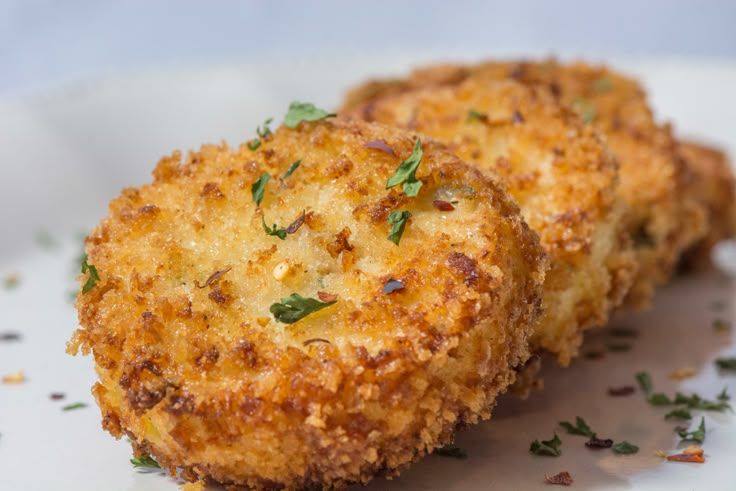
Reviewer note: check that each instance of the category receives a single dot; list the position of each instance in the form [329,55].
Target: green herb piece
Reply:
[145,461]
[602,84]
[547,447]
[295,307]
[724,396]
[474,115]
[254,144]
[454,452]
[72,407]
[259,187]
[275,231]
[645,382]
[397,219]
[294,166]
[93,276]
[266,131]
[721,325]
[726,363]
[695,436]
[580,428]
[618,347]
[585,108]
[679,413]
[304,111]
[694,401]
[659,399]
[625,448]
[406,172]
[623,332]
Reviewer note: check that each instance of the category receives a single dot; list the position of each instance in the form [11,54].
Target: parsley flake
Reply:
[254,144]
[645,382]
[275,231]
[304,111]
[259,187]
[294,166]
[397,219]
[454,452]
[585,108]
[602,84]
[724,396]
[547,447]
[726,363]
[679,413]
[406,172]
[93,276]
[295,307]
[696,435]
[659,399]
[580,427]
[266,131]
[72,407]
[694,401]
[145,461]
[474,115]
[625,448]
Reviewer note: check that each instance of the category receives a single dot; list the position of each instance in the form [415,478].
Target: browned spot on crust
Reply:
[340,243]
[211,191]
[464,265]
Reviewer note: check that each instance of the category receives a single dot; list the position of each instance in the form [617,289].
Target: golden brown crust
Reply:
[655,183]
[194,369]
[559,172]
[714,186]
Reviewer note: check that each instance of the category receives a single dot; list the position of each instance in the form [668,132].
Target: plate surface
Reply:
[64,154]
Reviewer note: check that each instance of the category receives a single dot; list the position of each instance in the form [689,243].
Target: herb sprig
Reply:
[295,307]
[93,276]
[406,172]
[397,219]
[304,111]
[549,448]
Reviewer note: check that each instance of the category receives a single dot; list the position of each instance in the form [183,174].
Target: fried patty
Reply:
[560,173]
[655,182]
[191,325]
[714,187]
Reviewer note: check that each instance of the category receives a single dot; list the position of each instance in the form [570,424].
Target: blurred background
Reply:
[45,43]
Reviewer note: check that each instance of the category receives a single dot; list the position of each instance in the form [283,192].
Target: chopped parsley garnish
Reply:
[93,276]
[694,401]
[602,84]
[696,435]
[585,108]
[72,407]
[397,219]
[724,396]
[659,399]
[625,448]
[295,307]
[406,172]
[547,447]
[266,131]
[254,144]
[580,427]
[645,382]
[257,188]
[726,363]
[145,461]
[679,413]
[275,231]
[474,115]
[304,111]
[454,452]
[294,166]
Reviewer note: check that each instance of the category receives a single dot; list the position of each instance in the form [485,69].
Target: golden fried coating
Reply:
[562,177]
[714,186]
[196,370]
[666,218]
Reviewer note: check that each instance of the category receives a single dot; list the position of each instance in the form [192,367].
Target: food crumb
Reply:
[193,486]
[11,281]
[57,396]
[661,454]
[563,478]
[692,453]
[622,391]
[14,378]
[9,336]
[683,373]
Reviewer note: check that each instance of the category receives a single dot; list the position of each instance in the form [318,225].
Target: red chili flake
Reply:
[594,354]
[57,396]
[315,340]
[9,336]
[516,117]
[296,223]
[596,443]
[213,277]
[695,457]
[327,297]
[379,145]
[443,205]
[621,391]
[392,285]
[563,478]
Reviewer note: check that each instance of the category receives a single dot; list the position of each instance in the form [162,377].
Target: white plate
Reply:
[64,154]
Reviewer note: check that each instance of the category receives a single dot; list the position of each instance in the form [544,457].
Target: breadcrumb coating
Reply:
[560,173]
[194,368]
[656,184]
